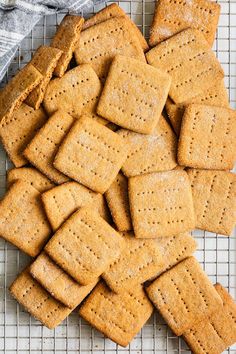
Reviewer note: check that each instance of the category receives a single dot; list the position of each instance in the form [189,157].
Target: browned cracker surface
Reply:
[59,284]
[218,332]
[100,43]
[66,39]
[44,60]
[208,137]
[192,65]
[214,199]
[43,147]
[150,153]
[18,88]
[184,295]
[17,130]
[113,10]
[85,245]
[161,204]
[91,154]
[134,94]
[139,261]
[22,218]
[119,316]
[30,175]
[172,16]
[60,202]
[37,301]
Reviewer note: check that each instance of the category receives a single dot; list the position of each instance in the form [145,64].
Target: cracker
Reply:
[208,137]
[30,175]
[173,16]
[100,43]
[134,95]
[85,245]
[214,96]
[113,10]
[139,261]
[66,39]
[91,154]
[44,60]
[190,62]
[37,301]
[214,199]
[59,284]
[18,129]
[76,92]
[118,202]
[17,89]
[218,332]
[43,147]
[150,153]
[161,204]
[118,316]
[184,295]
[22,218]
[62,201]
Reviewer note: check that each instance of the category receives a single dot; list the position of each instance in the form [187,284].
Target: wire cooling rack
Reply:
[20,333]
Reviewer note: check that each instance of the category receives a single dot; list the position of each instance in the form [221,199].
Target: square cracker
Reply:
[45,60]
[192,65]
[113,10]
[208,137]
[43,147]
[214,96]
[66,39]
[173,16]
[85,245]
[17,89]
[218,332]
[134,95]
[22,218]
[150,153]
[18,129]
[161,204]
[118,202]
[139,261]
[99,44]
[77,92]
[184,295]
[62,201]
[91,154]
[214,200]
[37,301]
[30,175]
[59,284]
[118,316]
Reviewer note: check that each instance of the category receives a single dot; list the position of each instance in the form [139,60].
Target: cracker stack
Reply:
[101,136]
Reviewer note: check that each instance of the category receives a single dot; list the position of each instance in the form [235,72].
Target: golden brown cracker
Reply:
[208,137]
[22,218]
[59,284]
[173,16]
[118,316]
[184,295]
[66,39]
[214,199]
[192,65]
[99,44]
[43,147]
[161,204]
[91,154]
[85,245]
[134,95]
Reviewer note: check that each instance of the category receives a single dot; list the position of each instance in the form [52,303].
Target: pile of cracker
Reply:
[106,188]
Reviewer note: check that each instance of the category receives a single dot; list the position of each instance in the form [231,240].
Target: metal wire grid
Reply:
[20,333]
